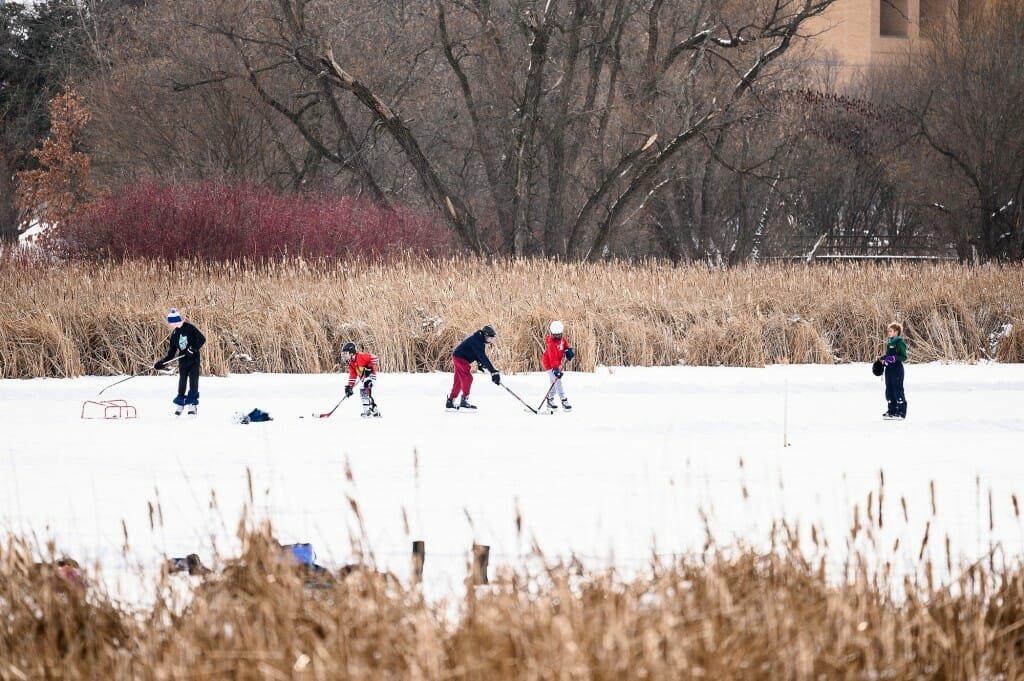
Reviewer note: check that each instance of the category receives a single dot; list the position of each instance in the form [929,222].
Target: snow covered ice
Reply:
[630,471]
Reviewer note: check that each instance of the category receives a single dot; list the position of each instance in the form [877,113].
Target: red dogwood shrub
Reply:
[220,222]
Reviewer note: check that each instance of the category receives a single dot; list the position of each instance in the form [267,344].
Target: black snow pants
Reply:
[894,389]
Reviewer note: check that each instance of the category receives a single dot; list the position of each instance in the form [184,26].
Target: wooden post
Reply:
[785,414]
[419,555]
[481,555]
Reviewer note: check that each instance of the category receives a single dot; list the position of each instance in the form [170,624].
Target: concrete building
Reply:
[854,35]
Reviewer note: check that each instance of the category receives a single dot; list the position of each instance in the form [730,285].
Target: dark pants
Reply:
[463,378]
[894,389]
[188,376]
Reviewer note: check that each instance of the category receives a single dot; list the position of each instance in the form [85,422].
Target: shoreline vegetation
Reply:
[734,613]
[77,319]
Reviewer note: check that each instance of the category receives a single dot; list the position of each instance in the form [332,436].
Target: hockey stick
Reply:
[547,394]
[328,414]
[518,398]
[136,374]
[144,371]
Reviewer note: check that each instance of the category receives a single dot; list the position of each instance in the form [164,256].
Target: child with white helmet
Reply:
[557,352]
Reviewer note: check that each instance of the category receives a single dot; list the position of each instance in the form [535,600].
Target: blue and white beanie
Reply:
[173,317]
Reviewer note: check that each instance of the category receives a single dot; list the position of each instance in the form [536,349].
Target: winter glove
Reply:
[889,359]
[348,391]
[190,352]
[558,373]
[158,365]
[569,354]
[496,378]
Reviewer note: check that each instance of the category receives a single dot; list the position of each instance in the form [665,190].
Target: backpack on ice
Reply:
[254,416]
[303,554]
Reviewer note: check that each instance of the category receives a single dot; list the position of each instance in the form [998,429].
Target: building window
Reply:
[894,18]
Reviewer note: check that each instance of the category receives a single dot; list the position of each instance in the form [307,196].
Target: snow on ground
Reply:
[645,453]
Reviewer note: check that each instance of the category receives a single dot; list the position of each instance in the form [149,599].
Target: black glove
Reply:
[348,391]
[558,373]
[189,351]
[496,377]
[569,354]
[158,365]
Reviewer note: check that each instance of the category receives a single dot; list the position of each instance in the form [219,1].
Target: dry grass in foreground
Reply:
[727,615]
[294,317]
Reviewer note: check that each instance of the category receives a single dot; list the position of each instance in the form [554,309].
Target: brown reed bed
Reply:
[727,614]
[99,319]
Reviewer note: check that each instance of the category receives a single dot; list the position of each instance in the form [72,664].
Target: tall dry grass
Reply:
[729,614]
[293,317]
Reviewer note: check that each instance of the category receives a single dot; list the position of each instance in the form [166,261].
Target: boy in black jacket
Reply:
[184,343]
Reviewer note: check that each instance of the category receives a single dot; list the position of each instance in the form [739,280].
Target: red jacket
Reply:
[555,353]
[363,366]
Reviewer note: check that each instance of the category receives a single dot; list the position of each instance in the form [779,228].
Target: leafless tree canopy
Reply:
[577,129]
[965,97]
[569,128]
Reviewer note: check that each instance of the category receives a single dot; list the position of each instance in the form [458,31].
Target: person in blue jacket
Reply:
[472,349]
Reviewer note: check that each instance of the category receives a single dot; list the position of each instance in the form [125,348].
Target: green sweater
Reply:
[897,347]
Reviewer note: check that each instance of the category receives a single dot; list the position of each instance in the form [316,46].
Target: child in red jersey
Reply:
[557,352]
[361,365]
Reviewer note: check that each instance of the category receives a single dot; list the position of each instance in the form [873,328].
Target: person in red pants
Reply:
[472,349]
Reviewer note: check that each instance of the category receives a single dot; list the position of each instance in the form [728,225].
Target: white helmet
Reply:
[557,327]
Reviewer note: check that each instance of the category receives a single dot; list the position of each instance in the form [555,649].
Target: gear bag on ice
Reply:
[254,416]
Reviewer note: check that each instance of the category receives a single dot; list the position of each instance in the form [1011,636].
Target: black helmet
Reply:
[349,347]
[878,368]
[488,331]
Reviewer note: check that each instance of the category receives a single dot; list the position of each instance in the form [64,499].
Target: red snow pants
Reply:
[463,378]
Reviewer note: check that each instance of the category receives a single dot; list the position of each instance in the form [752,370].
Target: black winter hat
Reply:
[488,331]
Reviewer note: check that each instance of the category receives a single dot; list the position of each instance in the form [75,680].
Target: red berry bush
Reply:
[220,222]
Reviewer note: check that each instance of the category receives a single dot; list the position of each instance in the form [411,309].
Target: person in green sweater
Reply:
[894,357]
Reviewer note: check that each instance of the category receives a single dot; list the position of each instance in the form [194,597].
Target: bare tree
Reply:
[530,126]
[965,94]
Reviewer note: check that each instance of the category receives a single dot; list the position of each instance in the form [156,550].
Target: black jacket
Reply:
[186,341]
[473,349]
